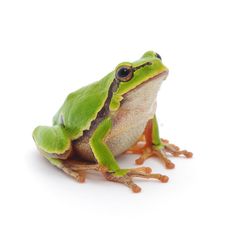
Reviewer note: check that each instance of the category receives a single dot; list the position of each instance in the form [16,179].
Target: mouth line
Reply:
[162,74]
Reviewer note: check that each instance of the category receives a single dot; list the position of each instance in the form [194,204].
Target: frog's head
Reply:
[136,76]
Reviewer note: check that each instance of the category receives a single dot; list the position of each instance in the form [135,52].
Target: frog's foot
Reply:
[175,150]
[77,169]
[148,152]
[127,178]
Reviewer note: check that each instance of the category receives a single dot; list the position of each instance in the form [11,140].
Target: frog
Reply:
[108,118]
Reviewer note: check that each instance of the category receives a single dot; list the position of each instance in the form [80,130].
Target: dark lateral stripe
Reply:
[104,112]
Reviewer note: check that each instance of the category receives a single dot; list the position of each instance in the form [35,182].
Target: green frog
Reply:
[110,117]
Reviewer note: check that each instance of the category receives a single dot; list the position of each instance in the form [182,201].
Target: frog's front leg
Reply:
[108,164]
[156,147]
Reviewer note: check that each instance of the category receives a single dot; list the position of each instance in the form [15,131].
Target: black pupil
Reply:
[123,72]
[158,56]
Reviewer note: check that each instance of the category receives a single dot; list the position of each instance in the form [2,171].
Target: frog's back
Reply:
[81,107]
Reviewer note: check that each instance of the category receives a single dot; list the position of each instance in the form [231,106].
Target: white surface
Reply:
[50,48]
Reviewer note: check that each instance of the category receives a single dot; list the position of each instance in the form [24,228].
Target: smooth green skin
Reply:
[81,108]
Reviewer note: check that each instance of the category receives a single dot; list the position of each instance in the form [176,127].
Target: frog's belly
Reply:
[120,141]
[128,126]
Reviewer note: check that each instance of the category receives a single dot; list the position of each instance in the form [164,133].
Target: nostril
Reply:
[158,56]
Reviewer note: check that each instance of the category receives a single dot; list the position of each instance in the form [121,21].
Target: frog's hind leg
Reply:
[74,168]
[55,146]
[144,147]
[150,145]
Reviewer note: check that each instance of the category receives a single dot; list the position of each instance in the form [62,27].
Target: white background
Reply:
[50,48]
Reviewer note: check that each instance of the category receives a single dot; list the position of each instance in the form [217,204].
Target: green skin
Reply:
[81,108]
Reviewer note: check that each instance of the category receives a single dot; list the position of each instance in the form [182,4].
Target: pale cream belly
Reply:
[128,126]
[119,142]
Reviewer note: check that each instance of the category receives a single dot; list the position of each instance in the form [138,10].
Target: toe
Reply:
[170,165]
[139,161]
[164,179]
[140,170]
[81,178]
[136,189]
[188,154]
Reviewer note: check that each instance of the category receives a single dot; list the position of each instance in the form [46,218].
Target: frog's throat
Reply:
[118,97]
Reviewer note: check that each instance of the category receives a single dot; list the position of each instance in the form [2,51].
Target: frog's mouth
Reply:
[162,76]
[155,80]
[145,93]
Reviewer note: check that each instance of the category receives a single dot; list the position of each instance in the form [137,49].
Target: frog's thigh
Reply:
[100,150]
[55,146]
[52,142]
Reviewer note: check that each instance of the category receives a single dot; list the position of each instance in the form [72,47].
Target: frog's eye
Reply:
[124,73]
[158,56]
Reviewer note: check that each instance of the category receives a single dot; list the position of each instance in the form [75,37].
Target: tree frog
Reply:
[107,118]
